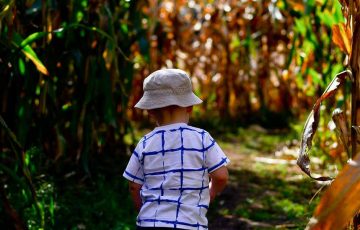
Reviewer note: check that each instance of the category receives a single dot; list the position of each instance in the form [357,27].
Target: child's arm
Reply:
[134,189]
[219,179]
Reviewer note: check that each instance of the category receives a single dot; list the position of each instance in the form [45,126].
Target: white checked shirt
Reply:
[172,163]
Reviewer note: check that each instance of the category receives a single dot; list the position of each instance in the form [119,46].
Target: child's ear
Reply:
[189,109]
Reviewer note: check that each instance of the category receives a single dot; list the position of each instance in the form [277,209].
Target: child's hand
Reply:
[212,193]
[219,179]
[134,189]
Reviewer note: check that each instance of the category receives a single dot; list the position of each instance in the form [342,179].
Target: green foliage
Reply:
[78,110]
[70,199]
[100,204]
[317,55]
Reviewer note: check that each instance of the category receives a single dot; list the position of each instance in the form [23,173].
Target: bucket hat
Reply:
[167,87]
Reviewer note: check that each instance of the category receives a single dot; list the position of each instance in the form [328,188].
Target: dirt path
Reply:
[266,189]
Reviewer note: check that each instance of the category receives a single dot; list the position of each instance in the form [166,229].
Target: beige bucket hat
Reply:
[167,87]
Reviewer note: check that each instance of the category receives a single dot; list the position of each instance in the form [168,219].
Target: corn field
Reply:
[71,72]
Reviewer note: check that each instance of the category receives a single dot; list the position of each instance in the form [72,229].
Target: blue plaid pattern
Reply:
[173,163]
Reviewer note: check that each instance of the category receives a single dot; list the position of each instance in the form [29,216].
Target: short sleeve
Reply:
[215,157]
[134,170]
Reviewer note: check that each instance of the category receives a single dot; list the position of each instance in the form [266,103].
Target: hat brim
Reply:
[149,101]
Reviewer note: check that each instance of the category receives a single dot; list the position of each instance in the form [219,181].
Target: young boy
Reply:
[176,169]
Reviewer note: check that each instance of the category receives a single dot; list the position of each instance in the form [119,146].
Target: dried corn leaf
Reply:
[312,123]
[341,129]
[341,201]
[341,36]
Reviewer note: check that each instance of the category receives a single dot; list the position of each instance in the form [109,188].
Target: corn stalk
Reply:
[355,66]
[341,201]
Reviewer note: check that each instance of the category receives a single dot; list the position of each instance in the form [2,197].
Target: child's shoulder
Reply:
[197,129]
[200,131]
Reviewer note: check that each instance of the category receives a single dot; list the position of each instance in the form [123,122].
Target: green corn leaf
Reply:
[327,18]
[32,37]
[22,67]
[5,8]
[316,77]
[338,15]
[124,28]
[23,44]
[51,210]
[300,26]
[29,53]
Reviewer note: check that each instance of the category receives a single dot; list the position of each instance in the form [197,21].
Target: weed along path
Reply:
[266,190]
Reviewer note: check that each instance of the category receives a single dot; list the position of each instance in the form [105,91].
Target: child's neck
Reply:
[172,121]
[174,116]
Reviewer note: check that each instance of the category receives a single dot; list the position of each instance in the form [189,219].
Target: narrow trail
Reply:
[266,189]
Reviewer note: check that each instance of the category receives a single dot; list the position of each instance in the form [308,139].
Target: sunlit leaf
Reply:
[29,53]
[32,37]
[312,122]
[38,90]
[336,68]
[22,66]
[338,15]
[327,18]
[341,201]
[66,106]
[40,206]
[84,3]
[5,8]
[79,16]
[315,76]
[234,56]
[27,159]
[124,28]
[235,42]
[308,47]
[300,26]
[296,5]
[341,36]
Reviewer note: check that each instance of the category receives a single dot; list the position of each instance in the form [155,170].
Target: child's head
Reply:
[167,87]
[168,91]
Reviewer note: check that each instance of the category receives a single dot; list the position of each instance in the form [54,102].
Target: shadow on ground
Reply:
[263,199]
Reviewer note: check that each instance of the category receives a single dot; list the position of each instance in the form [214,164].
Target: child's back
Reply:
[170,168]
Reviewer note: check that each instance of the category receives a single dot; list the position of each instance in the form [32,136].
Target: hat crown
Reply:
[165,79]
[167,87]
